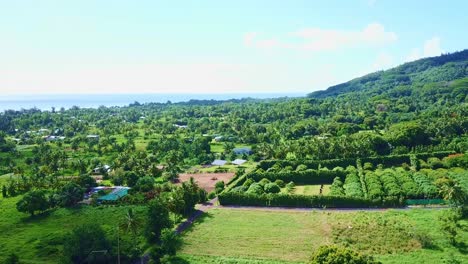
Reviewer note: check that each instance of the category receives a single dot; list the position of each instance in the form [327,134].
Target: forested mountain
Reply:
[407,77]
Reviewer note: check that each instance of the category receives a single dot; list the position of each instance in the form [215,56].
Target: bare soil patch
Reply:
[206,181]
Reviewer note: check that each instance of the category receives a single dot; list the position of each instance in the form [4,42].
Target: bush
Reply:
[280,183]
[331,254]
[255,188]
[248,182]
[272,188]
[264,182]
[212,195]
[144,184]
[219,186]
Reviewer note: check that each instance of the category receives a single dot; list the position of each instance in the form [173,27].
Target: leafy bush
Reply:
[272,188]
[280,183]
[255,188]
[331,254]
[263,182]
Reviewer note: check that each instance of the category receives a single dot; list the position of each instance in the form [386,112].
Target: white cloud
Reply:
[249,39]
[319,39]
[431,48]
[383,61]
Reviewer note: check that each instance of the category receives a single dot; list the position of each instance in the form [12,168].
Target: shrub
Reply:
[219,186]
[263,182]
[301,167]
[331,254]
[255,188]
[435,163]
[280,183]
[248,182]
[272,188]
[212,195]
[145,184]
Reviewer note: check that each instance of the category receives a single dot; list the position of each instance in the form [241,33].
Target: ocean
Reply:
[46,102]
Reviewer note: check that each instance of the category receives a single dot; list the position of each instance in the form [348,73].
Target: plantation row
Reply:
[386,161]
[396,183]
[316,201]
[360,186]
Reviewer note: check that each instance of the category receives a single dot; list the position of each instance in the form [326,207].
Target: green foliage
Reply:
[170,242]
[87,244]
[272,188]
[219,186]
[32,202]
[336,255]
[158,219]
[70,194]
[12,259]
[336,188]
[288,200]
[144,184]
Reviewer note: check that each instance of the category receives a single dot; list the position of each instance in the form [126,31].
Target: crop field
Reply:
[392,236]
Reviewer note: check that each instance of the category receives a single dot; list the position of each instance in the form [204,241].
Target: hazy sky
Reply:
[136,46]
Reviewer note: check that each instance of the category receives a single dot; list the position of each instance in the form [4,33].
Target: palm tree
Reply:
[130,222]
[452,192]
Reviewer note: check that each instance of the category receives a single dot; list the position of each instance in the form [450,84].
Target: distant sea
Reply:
[46,102]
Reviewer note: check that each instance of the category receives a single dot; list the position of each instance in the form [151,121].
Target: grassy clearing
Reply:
[192,259]
[39,239]
[392,236]
[260,235]
[311,189]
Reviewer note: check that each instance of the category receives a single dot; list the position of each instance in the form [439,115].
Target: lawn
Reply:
[39,239]
[265,236]
[311,189]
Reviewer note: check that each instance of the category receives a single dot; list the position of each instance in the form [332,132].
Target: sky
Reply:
[253,46]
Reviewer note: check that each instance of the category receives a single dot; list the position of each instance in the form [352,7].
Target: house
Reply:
[105,168]
[238,161]
[242,151]
[53,138]
[96,137]
[218,138]
[43,130]
[218,162]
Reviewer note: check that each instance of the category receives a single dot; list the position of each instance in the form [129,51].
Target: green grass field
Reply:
[39,239]
[311,189]
[266,236]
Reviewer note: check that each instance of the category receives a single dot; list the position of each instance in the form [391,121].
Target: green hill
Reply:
[441,71]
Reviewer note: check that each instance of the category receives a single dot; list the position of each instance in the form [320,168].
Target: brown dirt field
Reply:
[207,181]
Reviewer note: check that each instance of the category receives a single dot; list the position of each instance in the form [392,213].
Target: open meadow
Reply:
[39,239]
[392,236]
